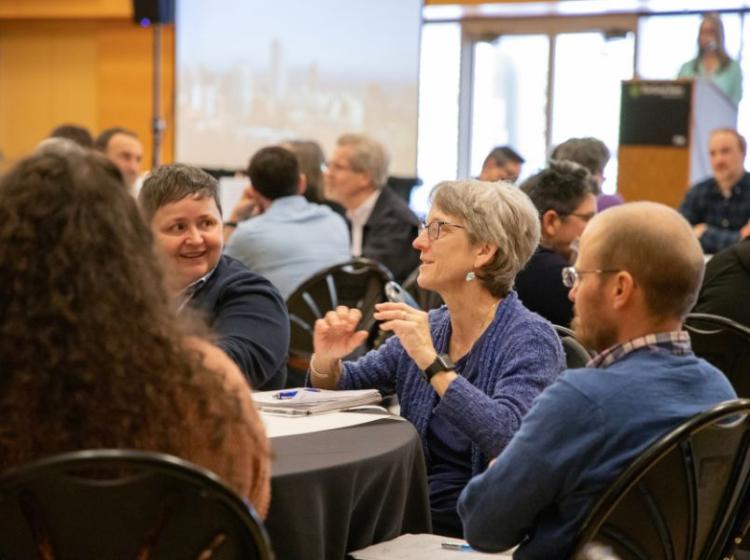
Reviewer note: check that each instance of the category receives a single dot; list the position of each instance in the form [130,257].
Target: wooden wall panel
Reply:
[47,76]
[656,173]
[54,9]
[94,73]
[124,77]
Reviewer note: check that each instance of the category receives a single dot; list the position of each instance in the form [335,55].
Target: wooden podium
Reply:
[664,131]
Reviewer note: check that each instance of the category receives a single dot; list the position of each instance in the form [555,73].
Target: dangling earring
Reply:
[470,276]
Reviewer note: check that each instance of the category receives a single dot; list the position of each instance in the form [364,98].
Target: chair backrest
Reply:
[576,354]
[124,505]
[725,344]
[426,299]
[357,283]
[680,499]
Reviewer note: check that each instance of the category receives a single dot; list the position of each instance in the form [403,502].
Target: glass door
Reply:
[510,98]
[588,70]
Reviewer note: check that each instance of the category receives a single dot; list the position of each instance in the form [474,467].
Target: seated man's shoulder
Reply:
[702,188]
[545,259]
[234,277]
[390,206]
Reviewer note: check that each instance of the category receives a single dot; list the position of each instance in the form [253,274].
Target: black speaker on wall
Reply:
[146,12]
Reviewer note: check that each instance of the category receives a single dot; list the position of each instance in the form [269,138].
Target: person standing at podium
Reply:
[718,208]
[713,62]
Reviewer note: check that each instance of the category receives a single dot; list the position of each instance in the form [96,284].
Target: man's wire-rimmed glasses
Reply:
[571,274]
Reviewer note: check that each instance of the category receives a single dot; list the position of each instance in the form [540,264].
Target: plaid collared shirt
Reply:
[704,204]
[676,342]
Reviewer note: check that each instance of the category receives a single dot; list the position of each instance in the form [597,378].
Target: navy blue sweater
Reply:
[580,434]
[250,317]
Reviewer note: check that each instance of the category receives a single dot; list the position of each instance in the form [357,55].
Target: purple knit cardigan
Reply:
[516,357]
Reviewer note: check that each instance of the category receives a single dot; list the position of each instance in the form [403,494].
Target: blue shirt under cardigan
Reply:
[580,434]
[516,357]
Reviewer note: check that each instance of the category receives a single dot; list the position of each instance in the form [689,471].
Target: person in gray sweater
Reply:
[466,373]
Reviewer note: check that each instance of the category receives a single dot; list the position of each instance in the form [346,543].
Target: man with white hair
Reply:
[637,276]
[382,225]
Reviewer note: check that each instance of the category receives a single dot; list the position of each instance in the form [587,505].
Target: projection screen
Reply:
[252,73]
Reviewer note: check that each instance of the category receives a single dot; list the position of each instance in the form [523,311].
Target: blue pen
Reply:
[292,394]
[456,546]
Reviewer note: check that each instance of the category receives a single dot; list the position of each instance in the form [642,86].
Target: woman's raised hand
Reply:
[412,327]
[335,334]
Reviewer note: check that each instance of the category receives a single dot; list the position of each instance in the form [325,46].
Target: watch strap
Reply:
[442,363]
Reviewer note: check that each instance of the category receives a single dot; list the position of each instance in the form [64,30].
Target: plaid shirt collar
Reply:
[676,342]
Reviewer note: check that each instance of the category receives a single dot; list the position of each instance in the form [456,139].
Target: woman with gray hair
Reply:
[466,373]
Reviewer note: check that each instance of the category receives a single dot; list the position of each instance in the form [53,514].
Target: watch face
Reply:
[442,362]
[445,362]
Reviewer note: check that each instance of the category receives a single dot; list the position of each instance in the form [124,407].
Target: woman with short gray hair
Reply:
[466,373]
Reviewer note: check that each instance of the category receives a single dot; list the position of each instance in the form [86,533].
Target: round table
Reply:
[345,489]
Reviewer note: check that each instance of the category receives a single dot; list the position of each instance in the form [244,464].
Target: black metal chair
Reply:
[681,499]
[426,299]
[357,283]
[576,354]
[724,343]
[124,505]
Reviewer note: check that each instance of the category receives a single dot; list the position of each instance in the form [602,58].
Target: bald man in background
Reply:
[637,275]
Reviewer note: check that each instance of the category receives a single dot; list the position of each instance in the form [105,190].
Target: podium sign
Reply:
[664,130]
[665,105]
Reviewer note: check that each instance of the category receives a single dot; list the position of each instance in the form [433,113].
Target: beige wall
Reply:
[80,61]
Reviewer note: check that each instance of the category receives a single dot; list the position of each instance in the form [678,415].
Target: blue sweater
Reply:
[516,357]
[580,434]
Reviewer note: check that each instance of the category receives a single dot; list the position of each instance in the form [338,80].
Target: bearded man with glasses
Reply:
[636,277]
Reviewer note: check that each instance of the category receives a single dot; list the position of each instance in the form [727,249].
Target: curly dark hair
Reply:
[92,355]
[561,187]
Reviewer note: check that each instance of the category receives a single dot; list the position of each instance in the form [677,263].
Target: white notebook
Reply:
[306,400]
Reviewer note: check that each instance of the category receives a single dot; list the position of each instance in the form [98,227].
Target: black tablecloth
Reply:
[341,490]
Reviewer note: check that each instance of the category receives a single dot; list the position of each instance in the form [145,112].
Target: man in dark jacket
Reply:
[382,225]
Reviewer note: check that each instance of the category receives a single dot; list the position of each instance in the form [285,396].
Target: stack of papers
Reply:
[425,547]
[306,400]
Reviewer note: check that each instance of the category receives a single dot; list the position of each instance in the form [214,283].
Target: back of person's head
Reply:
[561,187]
[172,183]
[102,141]
[311,160]
[92,356]
[495,213]
[74,133]
[274,172]
[657,246]
[589,152]
[511,154]
[367,156]
[57,145]
[498,156]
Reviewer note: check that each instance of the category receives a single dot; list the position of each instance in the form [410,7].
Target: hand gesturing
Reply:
[335,335]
